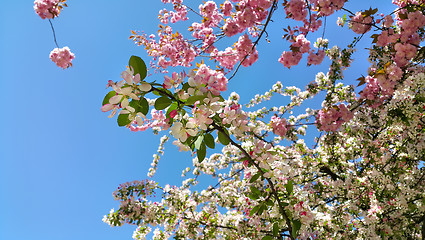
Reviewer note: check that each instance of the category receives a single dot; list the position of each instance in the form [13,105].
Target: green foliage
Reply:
[255,177]
[108,96]
[138,66]
[202,152]
[296,225]
[289,187]
[275,229]
[223,138]
[192,99]
[255,193]
[162,103]
[141,105]
[209,140]
[123,120]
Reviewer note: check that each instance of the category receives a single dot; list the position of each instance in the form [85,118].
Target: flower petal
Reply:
[115,99]
[107,107]
[144,86]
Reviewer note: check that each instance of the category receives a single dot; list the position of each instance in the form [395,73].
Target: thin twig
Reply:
[272,9]
[54,34]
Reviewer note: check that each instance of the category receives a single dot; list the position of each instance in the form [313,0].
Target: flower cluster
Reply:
[330,119]
[361,24]
[48,8]
[279,126]
[129,88]
[170,50]
[62,57]
[299,46]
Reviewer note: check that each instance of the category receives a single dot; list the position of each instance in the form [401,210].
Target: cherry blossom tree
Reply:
[364,177]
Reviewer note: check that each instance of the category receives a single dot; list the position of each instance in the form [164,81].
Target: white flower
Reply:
[181,132]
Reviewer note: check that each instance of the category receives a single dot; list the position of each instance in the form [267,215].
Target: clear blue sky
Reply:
[60,156]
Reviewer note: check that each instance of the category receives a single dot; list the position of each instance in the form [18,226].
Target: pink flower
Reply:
[48,8]
[330,119]
[296,9]
[279,126]
[327,7]
[289,59]
[172,81]
[315,58]
[360,24]
[62,57]
[231,27]
[226,8]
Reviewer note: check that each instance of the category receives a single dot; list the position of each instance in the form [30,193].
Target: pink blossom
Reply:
[227,58]
[327,7]
[205,79]
[387,37]
[330,119]
[246,51]
[210,13]
[279,125]
[301,43]
[296,9]
[360,24]
[62,57]
[388,21]
[315,58]
[231,27]
[289,59]
[371,90]
[404,53]
[174,81]
[47,8]
[414,21]
[227,8]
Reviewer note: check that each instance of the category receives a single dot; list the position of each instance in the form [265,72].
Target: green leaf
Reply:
[156,93]
[261,208]
[108,96]
[275,229]
[185,86]
[123,120]
[268,237]
[198,142]
[223,138]
[201,153]
[192,99]
[254,210]
[138,66]
[209,140]
[191,142]
[289,187]
[141,105]
[254,190]
[270,203]
[253,196]
[296,225]
[144,105]
[162,103]
[255,177]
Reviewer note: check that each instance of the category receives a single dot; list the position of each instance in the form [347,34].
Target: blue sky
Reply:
[60,156]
